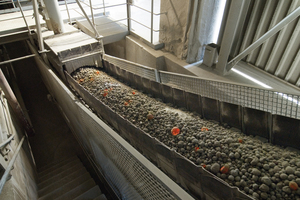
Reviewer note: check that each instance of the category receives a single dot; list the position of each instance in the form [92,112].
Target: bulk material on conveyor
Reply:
[259,169]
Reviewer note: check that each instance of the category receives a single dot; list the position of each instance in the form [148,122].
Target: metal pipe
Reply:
[13,102]
[20,7]
[103,7]
[92,13]
[67,8]
[148,10]
[97,35]
[55,16]
[38,25]
[11,163]
[144,25]
[7,141]
[292,16]
[16,59]
[128,15]
[152,5]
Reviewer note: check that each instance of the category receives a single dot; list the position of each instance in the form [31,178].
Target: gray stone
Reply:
[297,173]
[286,189]
[289,170]
[283,176]
[266,180]
[237,155]
[266,166]
[254,161]
[215,168]
[255,172]
[231,178]
[264,188]
[264,195]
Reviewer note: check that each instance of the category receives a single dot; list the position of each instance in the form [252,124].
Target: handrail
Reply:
[11,163]
[97,35]
[17,59]
[293,15]
[148,10]
[7,141]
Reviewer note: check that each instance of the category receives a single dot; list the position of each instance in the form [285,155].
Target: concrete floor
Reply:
[53,140]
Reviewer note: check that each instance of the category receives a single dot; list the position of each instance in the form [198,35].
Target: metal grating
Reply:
[135,68]
[128,168]
[266,100]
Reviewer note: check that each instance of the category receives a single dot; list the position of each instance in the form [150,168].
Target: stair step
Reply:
[54,193]
[75,170]
[56,163]
[101,197]
[66,166]
[90,194]
[79,190]
[61,183]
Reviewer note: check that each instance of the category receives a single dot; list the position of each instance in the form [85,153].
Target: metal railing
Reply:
[128,18]
[269,100]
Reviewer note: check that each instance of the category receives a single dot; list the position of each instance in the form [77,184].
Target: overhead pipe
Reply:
[13,102]
[55,16]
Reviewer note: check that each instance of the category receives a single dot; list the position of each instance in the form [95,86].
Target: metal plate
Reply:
[193,102]
[167,93]
[155,89]
[179,98]
[231,114]
[255,122]
[210,109]
[146,85]
[286,131]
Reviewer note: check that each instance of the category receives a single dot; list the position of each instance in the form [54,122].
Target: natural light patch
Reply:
[251,79]
[217,24]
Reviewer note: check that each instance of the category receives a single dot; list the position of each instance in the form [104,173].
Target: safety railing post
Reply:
[103,7]
[128,15]
[152,5]
[92,13]
[67,8]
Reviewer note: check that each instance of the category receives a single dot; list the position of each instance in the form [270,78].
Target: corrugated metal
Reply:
[279,55]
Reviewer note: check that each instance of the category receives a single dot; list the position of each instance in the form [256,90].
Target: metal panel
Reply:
[210,109]
[281,42]
[289,54]
[193,102]
[179,98]
[256,122]
[146,85]
[294,72]
[231,115]
[263,25]
[267,46]
[286,131]
[167,93]
[155,89]
[252,24]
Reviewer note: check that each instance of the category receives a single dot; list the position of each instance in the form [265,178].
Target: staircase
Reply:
[67,179]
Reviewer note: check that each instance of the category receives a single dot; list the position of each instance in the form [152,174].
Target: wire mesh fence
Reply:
[251,97]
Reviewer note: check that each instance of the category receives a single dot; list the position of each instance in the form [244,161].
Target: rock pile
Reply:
[261,170]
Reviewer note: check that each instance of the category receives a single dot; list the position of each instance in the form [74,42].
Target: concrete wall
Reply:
[22,184]
[173,26]
[116,49]
[138,52]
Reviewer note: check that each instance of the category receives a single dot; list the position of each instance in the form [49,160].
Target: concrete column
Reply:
[55,16]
